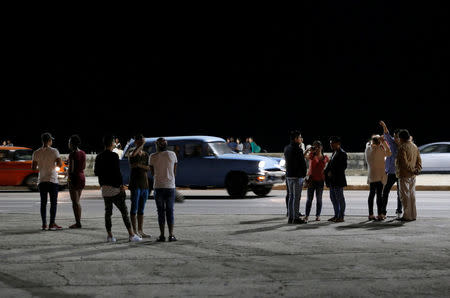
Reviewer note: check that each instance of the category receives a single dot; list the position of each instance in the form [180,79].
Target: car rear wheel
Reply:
[32,182]
[262,191]
[179,197]
[237,184]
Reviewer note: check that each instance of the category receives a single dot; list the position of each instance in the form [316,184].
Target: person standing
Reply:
[231,143]
[317,163]
[254,146]
[393,142]
[163,167]
[45,160]
[139,164]
[408,165]
[77,180]
[247,146]
[110,179]
[375,155]
[335,178]
[239,146]
[295,172]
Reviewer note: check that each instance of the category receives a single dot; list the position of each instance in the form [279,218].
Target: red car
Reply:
[15,168]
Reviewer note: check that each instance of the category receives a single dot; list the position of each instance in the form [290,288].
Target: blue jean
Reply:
[317,186]
[165,199]
[338,201]
[138,199]
[295,186]
[51,189]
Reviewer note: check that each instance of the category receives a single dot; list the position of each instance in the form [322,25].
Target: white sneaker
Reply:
[111,239]
[135,238]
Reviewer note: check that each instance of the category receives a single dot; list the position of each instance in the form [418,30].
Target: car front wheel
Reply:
[262,191]
[236,184]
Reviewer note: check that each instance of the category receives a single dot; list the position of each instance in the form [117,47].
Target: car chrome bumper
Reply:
[267,178]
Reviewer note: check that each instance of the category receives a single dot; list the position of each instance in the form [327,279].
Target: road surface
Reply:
[429,203]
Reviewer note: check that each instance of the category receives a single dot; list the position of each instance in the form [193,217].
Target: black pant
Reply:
[119,201]
[51,189]
[375,187]
[392,179]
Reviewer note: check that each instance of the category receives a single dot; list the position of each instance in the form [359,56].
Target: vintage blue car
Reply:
[208,162]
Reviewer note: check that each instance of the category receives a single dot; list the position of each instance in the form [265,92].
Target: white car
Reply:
[435,157]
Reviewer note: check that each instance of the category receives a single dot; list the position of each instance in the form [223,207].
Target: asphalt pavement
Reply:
[234,248]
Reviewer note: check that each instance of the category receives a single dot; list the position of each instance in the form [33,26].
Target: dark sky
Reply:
[335,69]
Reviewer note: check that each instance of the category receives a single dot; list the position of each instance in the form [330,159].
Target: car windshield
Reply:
[219,148]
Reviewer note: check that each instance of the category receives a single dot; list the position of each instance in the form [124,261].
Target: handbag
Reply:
[307,183]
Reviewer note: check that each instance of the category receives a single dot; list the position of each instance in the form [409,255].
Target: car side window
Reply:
[176,149]
[23,155]
[192,150]
[3,155]
[149,148]
[448,149]
[431,149]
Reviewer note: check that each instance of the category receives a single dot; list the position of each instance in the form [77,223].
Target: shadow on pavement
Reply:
[223,197]
[262,229]
[35,289]
[250,222]
[373,225]
[311,225]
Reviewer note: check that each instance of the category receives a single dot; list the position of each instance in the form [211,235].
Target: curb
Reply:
[276,187]
[366,187]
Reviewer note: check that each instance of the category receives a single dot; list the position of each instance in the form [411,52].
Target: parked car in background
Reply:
[208,162]
[435,157]
[15,168]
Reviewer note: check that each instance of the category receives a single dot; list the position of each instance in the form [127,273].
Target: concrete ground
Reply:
[227,255]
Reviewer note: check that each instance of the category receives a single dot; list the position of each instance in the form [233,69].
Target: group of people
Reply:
[7,143]
[249,146]
[391,159]
[322,171]
[162,165]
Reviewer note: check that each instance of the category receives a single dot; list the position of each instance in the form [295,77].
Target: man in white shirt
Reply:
[45,160]
[163,166]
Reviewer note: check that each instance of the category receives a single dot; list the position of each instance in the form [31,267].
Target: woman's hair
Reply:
[375,139]
[75,140]
[139,136]
[318,143]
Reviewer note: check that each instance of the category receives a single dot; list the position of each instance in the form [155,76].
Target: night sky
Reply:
[335,69]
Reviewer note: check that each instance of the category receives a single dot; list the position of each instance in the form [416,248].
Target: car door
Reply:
[445,159]
[432,157]
[5,170]
[193,165]
[21,162]
[125,163]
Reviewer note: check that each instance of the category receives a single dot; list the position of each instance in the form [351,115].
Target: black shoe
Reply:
[298,221]
[172,239]
[161,239]
[332,219]
[290,221]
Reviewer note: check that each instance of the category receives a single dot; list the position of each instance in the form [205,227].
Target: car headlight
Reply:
[57,169]
[261,164]
[282,163]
